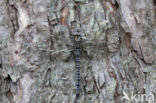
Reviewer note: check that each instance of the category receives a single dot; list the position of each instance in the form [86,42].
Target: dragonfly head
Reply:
[76,33]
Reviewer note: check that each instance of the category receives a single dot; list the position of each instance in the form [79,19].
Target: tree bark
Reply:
[36,57]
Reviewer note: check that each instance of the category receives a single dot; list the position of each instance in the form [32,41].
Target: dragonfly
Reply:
[90,47]
[80,47]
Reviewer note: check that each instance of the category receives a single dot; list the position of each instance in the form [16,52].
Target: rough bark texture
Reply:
[123,63]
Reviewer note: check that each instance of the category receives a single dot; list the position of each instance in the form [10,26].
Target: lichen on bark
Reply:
[37,61]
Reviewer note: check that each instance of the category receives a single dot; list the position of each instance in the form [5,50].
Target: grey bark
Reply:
[34,32]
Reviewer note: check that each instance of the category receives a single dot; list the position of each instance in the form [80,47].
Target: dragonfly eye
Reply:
[78,30]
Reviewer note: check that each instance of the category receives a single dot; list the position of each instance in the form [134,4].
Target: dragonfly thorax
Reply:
[76,32]
[77,38]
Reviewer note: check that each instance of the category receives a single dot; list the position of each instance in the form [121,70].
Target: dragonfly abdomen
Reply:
[77,63]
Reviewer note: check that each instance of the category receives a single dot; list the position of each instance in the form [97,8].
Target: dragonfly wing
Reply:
[59,49]
[94,48]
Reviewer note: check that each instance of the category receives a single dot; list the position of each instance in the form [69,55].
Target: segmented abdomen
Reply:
[77,63]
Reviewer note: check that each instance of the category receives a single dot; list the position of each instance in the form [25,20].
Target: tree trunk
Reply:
[117,62]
